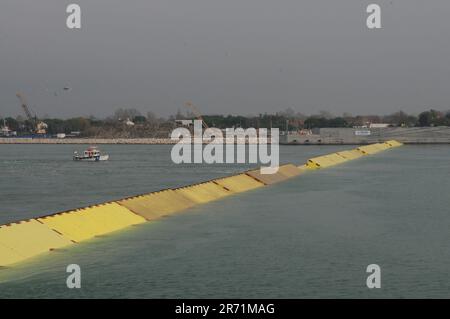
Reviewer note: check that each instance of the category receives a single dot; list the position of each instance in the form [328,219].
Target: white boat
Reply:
[92,154]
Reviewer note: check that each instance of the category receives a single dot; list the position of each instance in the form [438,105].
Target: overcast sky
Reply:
[227,56]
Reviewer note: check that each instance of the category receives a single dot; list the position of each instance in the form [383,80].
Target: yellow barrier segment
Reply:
[204,192]
[373,148]
[8,256]
[325,161]
[266,179]
[19,241]
[366,150]
[154,205]
[239,183]
[289,170]
[336,158]
[319,162]
[86,223]
[343,156]
[303,167]
[269,178]
[394,143]
[350,155]
[382,146]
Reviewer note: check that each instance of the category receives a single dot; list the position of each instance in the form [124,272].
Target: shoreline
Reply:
[168,141]
[143,141]
[115,141]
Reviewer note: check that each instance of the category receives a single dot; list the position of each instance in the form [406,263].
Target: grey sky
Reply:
[227,56]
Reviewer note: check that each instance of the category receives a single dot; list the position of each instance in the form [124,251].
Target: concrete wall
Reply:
[412,135]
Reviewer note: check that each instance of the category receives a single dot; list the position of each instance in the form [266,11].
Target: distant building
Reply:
[73,134]
[186,123]
[6,132]
[379,125]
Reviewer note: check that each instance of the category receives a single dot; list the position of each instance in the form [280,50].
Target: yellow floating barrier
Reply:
[367,150]
[350,155]
[22,240]
[319,162]
[8,256]
[325,161]
[239,183]
[284,172]
[336,158]
[343,156]
[394,143]
[204,192]
[289,170]
[86,223]
[26,239]
[382,146]
[373,148]
[154,205]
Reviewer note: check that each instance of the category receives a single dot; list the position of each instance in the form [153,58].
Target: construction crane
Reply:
[39,127]
[25,108]
[194,110]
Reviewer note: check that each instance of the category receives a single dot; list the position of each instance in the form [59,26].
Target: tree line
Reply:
[132,123]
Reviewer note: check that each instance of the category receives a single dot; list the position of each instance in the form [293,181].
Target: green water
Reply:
[312,236]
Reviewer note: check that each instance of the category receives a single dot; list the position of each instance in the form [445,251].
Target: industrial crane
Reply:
[39,127]
[194,110]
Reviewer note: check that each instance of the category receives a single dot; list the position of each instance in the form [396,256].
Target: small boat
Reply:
[92,154]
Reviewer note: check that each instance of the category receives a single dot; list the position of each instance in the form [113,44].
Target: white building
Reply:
[379,125]
[184,122]
[5,131]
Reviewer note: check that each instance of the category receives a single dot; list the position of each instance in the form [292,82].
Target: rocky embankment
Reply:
[94,141]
